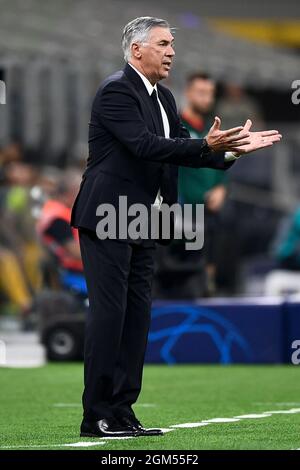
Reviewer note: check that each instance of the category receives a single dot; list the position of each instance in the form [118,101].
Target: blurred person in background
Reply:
[11,152]
[203,185]
[57,237]
[20,178]
[236,106]
[19,251]
[286,254]
[13,286]
[44,189]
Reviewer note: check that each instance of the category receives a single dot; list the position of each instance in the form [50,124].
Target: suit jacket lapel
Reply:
[140,88]
[143,94]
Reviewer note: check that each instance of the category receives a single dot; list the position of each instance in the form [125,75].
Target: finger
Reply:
[240,142]
[278,136]
[241,150]
[233,145]
[273,138]
[266,133]
[217,124]
[236,138]
[234,130]
[247,125]
[268,144]
[263,145]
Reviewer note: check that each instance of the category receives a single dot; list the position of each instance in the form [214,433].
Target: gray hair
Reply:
[138,30]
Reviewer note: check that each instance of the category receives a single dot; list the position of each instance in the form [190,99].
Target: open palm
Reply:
[258,140]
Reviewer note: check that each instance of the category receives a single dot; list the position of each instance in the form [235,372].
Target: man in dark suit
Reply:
[136,142]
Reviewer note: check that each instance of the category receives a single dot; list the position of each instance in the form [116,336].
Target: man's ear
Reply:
[135,50]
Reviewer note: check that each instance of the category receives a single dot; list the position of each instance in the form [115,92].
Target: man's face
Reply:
[200,95]
[155,55]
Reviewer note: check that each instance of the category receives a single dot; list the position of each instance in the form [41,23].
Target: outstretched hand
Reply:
[223,141]
[258,140]
[239,139]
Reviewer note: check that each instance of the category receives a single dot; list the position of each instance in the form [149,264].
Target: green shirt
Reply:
[288,241]
[193,183]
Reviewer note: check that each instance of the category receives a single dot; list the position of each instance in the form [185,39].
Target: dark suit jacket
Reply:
[127,156]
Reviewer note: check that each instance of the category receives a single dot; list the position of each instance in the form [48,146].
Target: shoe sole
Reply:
[89,434]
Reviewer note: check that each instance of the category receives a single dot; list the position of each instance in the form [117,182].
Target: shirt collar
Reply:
[148,85]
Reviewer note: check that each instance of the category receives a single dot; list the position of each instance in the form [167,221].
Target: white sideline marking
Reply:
[221,420]
[135,437]
[76,444]
[100,442]
[189,425]
[254,416]
[283,412]
[29,447]
[265,414]
[85,444]
[145,405]
[164,430]
[283,403]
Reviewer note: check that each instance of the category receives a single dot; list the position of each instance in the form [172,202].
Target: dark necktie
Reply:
[158,113]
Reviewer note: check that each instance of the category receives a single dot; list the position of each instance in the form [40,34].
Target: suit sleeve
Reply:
[220,164]
[117,109]
[184,133]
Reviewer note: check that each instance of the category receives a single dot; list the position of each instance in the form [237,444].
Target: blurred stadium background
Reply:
[53,55]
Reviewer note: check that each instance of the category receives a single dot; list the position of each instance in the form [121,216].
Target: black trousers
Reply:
[119,280]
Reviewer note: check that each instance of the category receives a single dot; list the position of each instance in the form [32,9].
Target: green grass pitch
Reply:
[40,408]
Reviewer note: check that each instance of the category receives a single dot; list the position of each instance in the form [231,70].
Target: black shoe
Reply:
[133,423]
[106,427]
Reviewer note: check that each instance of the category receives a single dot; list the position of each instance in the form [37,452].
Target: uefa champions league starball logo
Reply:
[197,323]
